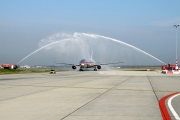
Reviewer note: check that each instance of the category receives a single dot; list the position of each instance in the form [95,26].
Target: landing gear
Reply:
[80,69]
[95,69]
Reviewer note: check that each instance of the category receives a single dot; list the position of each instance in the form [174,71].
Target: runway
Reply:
[89,95]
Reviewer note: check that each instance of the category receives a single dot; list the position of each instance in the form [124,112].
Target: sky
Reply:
[146,24]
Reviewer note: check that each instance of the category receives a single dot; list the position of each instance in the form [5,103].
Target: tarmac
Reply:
[88,95]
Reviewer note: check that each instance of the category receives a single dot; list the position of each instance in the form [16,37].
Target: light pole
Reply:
[176,26]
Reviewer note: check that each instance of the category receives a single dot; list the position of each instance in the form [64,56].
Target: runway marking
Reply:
[162,106]
[96,88]
[172,109]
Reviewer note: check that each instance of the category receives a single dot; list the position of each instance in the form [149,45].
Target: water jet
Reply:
[71,48]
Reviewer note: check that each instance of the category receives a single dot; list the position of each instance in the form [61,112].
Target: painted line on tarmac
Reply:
[171,108]
[162,106]
[96,88]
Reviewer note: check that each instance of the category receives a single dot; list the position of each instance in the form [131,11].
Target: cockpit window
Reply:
[84,60]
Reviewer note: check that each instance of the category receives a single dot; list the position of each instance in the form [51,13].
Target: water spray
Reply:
[41,49]
[79,44]
[93,35]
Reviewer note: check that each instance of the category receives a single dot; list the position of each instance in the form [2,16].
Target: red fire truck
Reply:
[168,67]
[9,66]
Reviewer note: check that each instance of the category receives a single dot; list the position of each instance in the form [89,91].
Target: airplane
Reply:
[84,63]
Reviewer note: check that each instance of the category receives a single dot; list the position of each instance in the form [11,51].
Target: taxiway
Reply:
[88,95]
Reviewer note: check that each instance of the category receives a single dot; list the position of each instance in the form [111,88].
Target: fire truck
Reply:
[9,66]
[169,69]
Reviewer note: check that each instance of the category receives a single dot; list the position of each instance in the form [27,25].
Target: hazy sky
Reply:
[146,24]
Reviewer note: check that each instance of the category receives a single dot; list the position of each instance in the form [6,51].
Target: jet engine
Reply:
[99,67]
[73,67]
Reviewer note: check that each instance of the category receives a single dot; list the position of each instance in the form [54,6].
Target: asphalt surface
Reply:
[88,95]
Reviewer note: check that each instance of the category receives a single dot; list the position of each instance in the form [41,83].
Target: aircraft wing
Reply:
[110,63]
[67,64]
